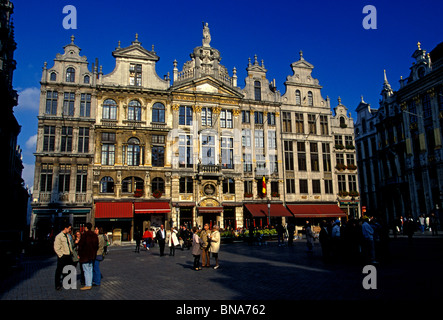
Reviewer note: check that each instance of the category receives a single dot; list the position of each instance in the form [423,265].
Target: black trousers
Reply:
[61,263]
[161,244]
[196,261]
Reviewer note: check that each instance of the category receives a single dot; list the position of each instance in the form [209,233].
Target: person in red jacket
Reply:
[87,251]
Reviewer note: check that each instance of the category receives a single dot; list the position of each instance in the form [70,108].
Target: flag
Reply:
[264,186]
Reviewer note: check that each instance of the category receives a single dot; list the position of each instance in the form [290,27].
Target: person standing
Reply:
[433,224]
[161,239]
[172,241]
[368,240]
[309,237]
[63,249]
[215,244]
[87,251]
[137,238]
[97,275]
[75,256]
[196,248]
[147,238]
[325,241]
[205,235]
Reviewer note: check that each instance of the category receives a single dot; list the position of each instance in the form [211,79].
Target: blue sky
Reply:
[348,59]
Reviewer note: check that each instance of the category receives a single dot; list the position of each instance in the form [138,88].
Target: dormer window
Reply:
[86,79]
[53,76]
[310,99]
[135,74]
[257,90]
[70,75]
[297,97]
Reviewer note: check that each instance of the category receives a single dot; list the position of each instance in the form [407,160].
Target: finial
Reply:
[119,43]
[262,63]
[255,59]
[362,98]
[419,45]
[136,37]
[385,78]
[339,100]
[72,39]
[301,55]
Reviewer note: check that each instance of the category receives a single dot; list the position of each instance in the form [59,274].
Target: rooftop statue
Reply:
[206,35]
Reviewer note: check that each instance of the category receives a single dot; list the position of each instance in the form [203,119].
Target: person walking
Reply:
[325,241]
[309,237]
[75,257]
[63,249]
[368,241]
[137,238]
[291,230]
[280,235]
[196,248]
[205,235]
[433,224]
[172,240]
[215,244]
[147,238]
[97,275]
[87,251]
[161,239]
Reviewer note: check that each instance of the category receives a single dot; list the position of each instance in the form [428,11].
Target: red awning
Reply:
[113,210]
[151,207]
[210,209]
[261,210]
[316,210]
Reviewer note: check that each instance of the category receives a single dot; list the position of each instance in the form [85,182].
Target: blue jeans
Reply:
[87,269]
[96,274]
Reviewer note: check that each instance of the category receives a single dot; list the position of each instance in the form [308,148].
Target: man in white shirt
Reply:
[161,239]
[63,249]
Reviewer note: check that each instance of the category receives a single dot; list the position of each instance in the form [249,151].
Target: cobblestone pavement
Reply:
[413,271]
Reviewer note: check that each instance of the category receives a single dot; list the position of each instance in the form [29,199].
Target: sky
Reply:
[348,58]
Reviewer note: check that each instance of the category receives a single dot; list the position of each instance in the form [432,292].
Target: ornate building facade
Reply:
[400,143]
[130,149]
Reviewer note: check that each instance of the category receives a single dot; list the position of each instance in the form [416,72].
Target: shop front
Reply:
[150,214]
[262,215]
[115,216]
[315,212]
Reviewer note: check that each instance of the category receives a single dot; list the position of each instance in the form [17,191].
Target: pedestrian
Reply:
[172,240]
[291,230]
[215,244]
[97,275]
[280,235]
[161,239]
[421,221]
[87,251]
[368,241]
[137,238]
[147,238]
[336,239]
[63,249]
[196,248]
[309,237]
[205,235]
[433,224]
[75,256]
[409,227]
[325,241]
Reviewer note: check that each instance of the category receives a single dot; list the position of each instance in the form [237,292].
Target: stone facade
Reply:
[199,150]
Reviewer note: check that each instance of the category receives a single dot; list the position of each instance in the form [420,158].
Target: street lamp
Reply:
[269,213]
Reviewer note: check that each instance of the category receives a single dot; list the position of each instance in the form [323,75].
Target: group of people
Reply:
[86,249]
[204,243]
[408,225]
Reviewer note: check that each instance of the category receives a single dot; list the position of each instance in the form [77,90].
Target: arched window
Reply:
[109,110]
[86,79]
[134,110]
[107,185]
[342,122]
[131,184]
[70,75]
[257,90]
[158,112]
[158,184]
[297,97]
[310,99]
[133,152]
[53,76]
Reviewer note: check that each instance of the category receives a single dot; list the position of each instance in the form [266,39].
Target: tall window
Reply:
[352,182]
[229,186]
[135,111]
[227,150]
[310,99]
[186,185]
[324,125]
[108,148]
[271,118]
[64,177]
[85,105]
[260,163]
[259,139]
[328,186]
[68,103]
[48,138]
[53,76]
[272,140]
[208,149]
[297,97]
[46,177]
[286,118]
[315,166]
[258,117]
[158,184]
[341,182]
[301,153]
[206,116]
[225,119]
[247,186]
[109,109]
[245,116]
[86,79]
[246,137]
[247,162]
[185,151]
[426,103]
[135,74]
[51,102]
[257,90]
[289,155]
[66,139]
[107,185]
[158,156]
[299,123]
[185,115]
[312,125]
[273,163]
[303,186]
[326,150]
[83,140]
[130,184]
[70,75]
[158,112]
[316,186]
[82,178]
[133,152]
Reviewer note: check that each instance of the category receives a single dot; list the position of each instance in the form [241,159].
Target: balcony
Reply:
[209,168]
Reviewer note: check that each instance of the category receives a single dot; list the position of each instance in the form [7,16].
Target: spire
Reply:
[387,90]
